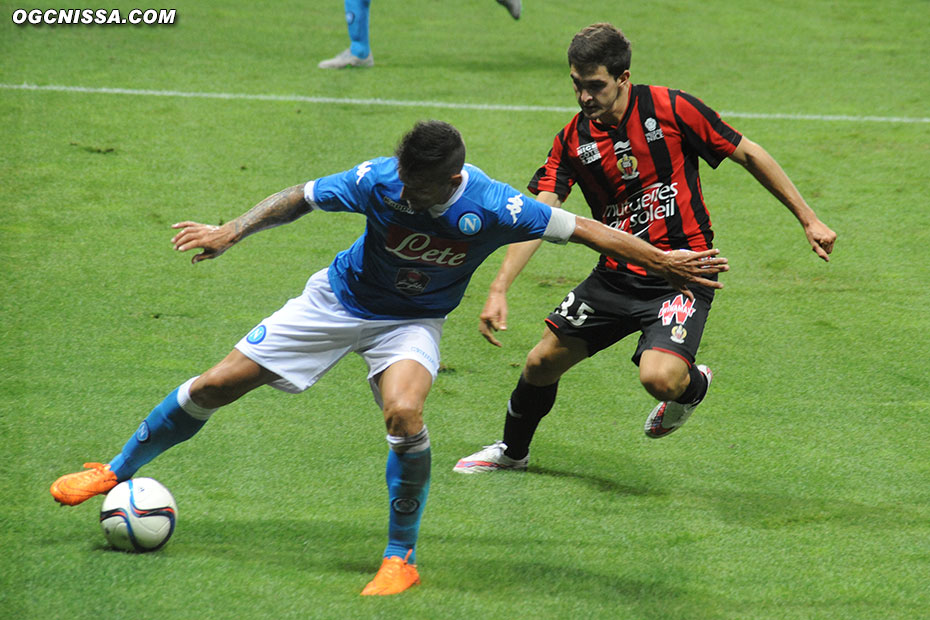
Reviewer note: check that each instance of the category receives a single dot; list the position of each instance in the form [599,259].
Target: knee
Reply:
[538,370]
[662,384]
[212,390]
[403,417]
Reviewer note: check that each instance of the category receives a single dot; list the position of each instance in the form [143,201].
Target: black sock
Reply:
[528,405]
[696,389]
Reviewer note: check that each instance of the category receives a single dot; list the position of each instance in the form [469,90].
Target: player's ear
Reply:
[456,179]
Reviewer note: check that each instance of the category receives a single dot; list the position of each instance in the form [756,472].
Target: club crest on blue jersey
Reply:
[256,335]
[470,224]
[411,281]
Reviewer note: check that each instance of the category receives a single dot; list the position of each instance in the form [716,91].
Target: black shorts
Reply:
[601,314]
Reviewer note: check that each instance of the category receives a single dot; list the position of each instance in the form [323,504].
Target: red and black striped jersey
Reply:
[641,176]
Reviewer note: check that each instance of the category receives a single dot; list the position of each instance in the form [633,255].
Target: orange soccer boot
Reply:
[394,576]
[72,489]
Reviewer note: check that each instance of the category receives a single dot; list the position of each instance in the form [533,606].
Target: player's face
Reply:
[422,191]
[601,96]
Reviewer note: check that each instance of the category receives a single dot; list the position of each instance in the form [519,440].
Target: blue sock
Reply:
[357,21]
[407,474]
[168,424]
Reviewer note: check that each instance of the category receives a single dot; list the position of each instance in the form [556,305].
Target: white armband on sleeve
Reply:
[308,195]
[561,226]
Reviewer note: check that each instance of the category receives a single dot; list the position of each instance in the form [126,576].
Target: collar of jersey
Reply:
[437,210]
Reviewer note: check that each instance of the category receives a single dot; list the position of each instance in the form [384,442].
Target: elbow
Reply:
[750,154]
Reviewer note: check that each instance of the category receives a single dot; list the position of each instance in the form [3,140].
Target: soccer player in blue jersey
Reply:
[431,220]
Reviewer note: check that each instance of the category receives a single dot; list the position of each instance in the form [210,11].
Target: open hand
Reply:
[683,267]
[213,240]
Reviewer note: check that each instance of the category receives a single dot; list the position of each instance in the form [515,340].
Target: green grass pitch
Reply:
[798,490]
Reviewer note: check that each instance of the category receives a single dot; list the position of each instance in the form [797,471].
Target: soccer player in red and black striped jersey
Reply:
[634,151]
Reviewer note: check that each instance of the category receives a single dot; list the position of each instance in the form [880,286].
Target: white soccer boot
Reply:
[669,416]
[490,458]
[346,59]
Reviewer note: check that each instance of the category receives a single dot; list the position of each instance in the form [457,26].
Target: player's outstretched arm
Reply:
[493,317]
[679,267]
[766,170]
[281,208]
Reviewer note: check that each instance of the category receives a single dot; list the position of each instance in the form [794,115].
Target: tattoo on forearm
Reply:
[281,208]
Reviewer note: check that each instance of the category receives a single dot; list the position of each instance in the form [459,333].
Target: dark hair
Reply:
[600,44]
[431,147]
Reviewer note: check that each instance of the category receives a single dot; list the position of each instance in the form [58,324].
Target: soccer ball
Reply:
[138,515]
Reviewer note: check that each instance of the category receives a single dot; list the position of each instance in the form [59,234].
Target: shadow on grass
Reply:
[766,510]
[313,545]
[600,483]
[761,510]
[557,587]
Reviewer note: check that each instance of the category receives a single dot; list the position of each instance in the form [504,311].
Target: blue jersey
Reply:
[417,265]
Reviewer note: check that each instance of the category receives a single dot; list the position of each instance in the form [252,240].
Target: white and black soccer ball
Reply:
[138,515]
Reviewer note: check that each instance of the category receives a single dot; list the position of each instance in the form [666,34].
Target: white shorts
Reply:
[312,332]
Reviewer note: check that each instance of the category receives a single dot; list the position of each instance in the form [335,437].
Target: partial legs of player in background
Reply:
[359,52]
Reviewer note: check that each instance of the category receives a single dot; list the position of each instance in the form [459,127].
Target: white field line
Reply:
[398,103]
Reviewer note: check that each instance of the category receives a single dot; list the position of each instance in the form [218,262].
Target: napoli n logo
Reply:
[470,224]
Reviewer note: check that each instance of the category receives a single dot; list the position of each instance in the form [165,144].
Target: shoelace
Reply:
[393,568]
